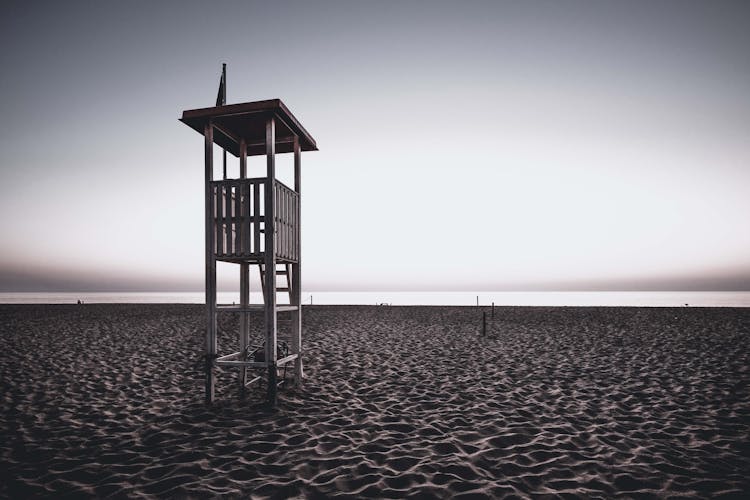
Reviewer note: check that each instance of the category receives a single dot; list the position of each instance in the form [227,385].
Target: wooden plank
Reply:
[276,224]
[256,215]
[285,223]
[234,308]
[229,357]
[220,239]
[286,359]
[214,203]
[244,319]
[282,221]
[246,364]
[262,273]
[237,219]
[282,218]
[292,239]
[249,179]
[211,343]
[242,237]
[242,195]
[297,223]
[270,260]
[246,224]
[296,285]
[228,218]
[289,226]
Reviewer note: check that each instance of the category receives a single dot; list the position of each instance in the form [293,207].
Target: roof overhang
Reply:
[247,120]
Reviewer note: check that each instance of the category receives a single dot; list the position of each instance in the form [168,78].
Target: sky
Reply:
[548,145]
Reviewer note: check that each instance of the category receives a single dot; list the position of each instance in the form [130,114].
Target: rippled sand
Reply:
[103,400]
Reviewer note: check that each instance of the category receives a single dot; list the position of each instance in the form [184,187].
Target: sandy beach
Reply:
[107,400]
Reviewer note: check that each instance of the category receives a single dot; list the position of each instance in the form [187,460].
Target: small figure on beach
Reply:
[80,302]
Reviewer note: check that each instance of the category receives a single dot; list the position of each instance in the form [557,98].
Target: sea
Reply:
[638,299]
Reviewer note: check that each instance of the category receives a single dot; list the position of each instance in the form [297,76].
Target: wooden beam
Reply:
[244,267]
[246,363]
[270,259]
[286,359]
[228,219]
[256,223]
[229,357]
[296,284]
[252,308]
[211,344]
[279,141]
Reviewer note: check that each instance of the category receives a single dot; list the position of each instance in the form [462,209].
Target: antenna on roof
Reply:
[221,100]
[221,97]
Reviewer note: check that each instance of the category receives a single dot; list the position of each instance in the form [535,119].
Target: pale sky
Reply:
[561,145]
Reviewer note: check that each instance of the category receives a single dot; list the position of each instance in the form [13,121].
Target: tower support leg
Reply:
[211,344]
[244,322]
[270,259]
[297,324]
[243,242]
[296,284]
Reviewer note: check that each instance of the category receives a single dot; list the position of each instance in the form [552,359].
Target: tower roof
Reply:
[247,121]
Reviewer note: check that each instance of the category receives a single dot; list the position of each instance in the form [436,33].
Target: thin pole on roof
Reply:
[221,100]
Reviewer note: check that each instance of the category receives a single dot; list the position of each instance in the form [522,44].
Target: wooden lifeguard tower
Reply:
[253,222]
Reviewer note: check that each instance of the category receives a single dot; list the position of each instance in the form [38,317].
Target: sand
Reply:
[107,400]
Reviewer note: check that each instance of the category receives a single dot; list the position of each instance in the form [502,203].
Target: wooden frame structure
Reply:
[253,221]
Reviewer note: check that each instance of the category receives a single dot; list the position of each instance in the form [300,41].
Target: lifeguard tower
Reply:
[253,222]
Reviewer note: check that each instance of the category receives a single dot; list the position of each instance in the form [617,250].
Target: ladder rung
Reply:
[282,289]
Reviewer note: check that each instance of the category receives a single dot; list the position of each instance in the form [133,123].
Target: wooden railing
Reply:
[287,222]
[239,219]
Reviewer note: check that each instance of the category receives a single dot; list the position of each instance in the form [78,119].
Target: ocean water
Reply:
[643,299]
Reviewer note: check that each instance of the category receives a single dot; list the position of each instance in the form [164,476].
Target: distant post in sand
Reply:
[253,221]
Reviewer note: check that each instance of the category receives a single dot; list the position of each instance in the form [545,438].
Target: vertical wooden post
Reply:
[242,227]
[297,269]
[211,347]
[270,258]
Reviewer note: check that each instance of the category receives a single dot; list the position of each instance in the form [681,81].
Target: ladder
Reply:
[286,271]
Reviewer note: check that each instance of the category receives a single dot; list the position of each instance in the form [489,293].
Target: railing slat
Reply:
[245,219]
[283,221]
[292,239]
[256,214]
[213,218]
[295,214]
[220,220]
[280,214]
[228,218]
[238,220]
[288,214]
